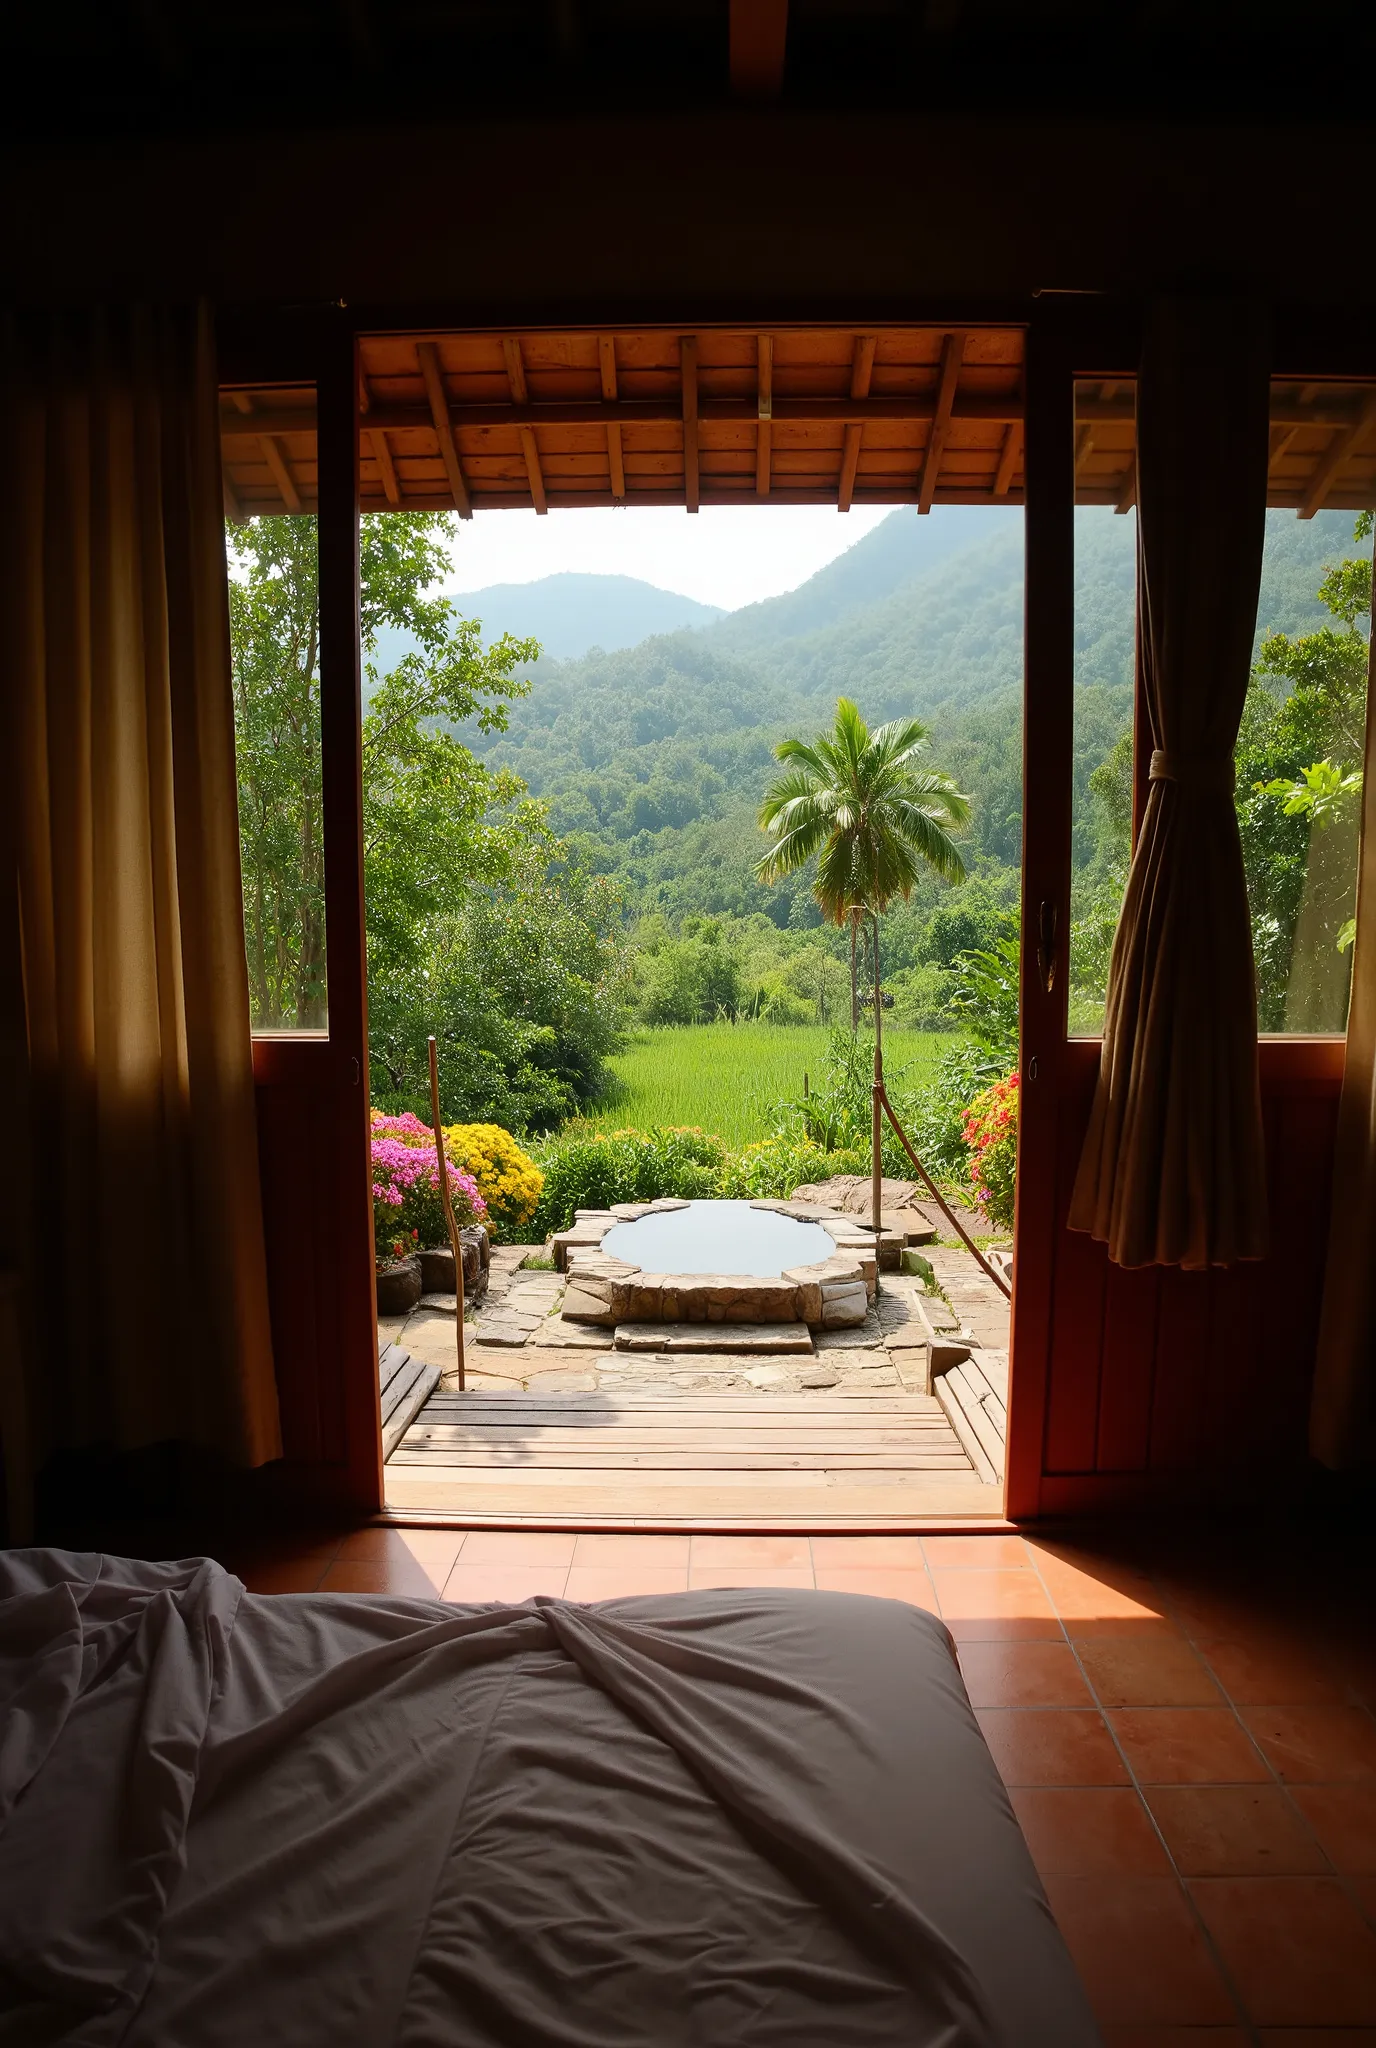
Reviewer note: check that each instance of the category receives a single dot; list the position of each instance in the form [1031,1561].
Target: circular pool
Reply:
[719,1237]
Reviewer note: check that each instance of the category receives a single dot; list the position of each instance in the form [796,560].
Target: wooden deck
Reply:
[861,1460]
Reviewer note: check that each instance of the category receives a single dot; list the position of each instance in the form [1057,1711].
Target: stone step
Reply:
[733,1339]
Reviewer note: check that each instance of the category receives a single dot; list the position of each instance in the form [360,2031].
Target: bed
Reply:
[761,1817]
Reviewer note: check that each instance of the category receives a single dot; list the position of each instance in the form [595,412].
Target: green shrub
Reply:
[776,1166]
[591,1170]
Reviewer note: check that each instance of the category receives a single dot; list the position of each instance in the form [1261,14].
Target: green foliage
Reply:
[774,1167]
[479,926]
[592,1169]
[1298,781]
[985,996]
[865,809]
[692,980]
[936,1122]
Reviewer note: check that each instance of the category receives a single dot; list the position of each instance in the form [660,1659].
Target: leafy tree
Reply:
[1298,787]
[478,928]
[864,807]
[693,980]
[871,814]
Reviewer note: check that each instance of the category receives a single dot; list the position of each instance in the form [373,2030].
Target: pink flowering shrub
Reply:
[991,1137]
[408,1214]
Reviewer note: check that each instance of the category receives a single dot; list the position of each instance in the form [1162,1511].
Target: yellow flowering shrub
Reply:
[508,1179]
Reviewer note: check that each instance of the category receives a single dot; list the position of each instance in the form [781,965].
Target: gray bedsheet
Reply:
[730,1817]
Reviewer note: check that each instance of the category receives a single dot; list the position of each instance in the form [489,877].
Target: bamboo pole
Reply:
[455,1241]
[881,1097]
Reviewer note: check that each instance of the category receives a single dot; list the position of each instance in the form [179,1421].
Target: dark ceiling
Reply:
[103,67]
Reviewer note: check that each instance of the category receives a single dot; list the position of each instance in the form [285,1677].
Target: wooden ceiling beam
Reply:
[387,468]
[653,412]
[534,473]
[515,374]
[1127,491]
[281,473]
[606,363]
[952,350]
[688,360]
[1008,458]
[382,454]
[764,412]
[861,369]
[758,45]
[1345,445]
[429,356]
[520,396]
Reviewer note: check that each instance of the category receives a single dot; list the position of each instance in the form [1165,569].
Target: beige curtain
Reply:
[148,1277]
[1342,1425]
[1172,1172]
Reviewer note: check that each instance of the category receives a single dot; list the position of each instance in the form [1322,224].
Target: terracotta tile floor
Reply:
[1187,1731]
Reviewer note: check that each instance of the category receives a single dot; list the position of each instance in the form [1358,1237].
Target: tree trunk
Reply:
[876,1169]
[854,988]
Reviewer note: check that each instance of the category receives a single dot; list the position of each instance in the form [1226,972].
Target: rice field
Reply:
[727,1077]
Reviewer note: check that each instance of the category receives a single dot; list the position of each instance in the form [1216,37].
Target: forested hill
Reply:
[653,757]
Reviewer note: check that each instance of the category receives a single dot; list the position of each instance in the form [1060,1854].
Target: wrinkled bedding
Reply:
[733,1817]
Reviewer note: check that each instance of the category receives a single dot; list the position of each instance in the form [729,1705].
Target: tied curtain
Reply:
[1342,1424]
[148,1310]
[1172,1172]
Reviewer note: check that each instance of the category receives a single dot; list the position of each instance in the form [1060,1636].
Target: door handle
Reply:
[1047,921]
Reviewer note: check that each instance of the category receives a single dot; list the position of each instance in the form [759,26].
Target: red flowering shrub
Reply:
[991,1137]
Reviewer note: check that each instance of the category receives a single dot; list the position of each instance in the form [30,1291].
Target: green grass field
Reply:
[727,1077]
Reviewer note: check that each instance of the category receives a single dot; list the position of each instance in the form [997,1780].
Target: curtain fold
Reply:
[1172,1171]
[150,1280]
[1342,1422]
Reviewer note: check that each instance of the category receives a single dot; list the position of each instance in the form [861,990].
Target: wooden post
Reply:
[455,1241]
[877,1098]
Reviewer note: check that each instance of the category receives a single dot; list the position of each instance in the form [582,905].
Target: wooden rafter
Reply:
[382,452]
[1127,493]
[952,349]
[861,367]
[759,38]
[1084,448]
[1008,458]
[606,363]
[764,412]
[281,472]
[233,509]
[520,396]
[386,466]
[1344,445]
[688,357]
[429,356]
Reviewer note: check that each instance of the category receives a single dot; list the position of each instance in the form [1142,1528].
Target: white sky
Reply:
[728,555]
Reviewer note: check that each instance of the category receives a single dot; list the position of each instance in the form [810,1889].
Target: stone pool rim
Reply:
[830,1293]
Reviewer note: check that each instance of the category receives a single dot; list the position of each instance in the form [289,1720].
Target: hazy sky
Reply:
[727,555]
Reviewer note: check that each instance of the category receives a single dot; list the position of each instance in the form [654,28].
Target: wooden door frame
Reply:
[323,1301]
[1069,339]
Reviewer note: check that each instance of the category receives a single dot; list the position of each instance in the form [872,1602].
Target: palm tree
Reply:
[870,812]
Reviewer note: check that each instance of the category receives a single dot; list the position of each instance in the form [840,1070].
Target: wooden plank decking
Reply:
[859,1460]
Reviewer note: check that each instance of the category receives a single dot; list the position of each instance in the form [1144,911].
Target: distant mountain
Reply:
[570,614]
[906,545]
[653,757]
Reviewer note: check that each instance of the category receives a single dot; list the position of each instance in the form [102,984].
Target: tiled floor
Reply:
[1187,1735]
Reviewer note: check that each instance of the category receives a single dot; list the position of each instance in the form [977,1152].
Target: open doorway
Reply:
[625,1011]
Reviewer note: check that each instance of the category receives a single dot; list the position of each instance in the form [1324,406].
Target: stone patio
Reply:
[518,1342]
